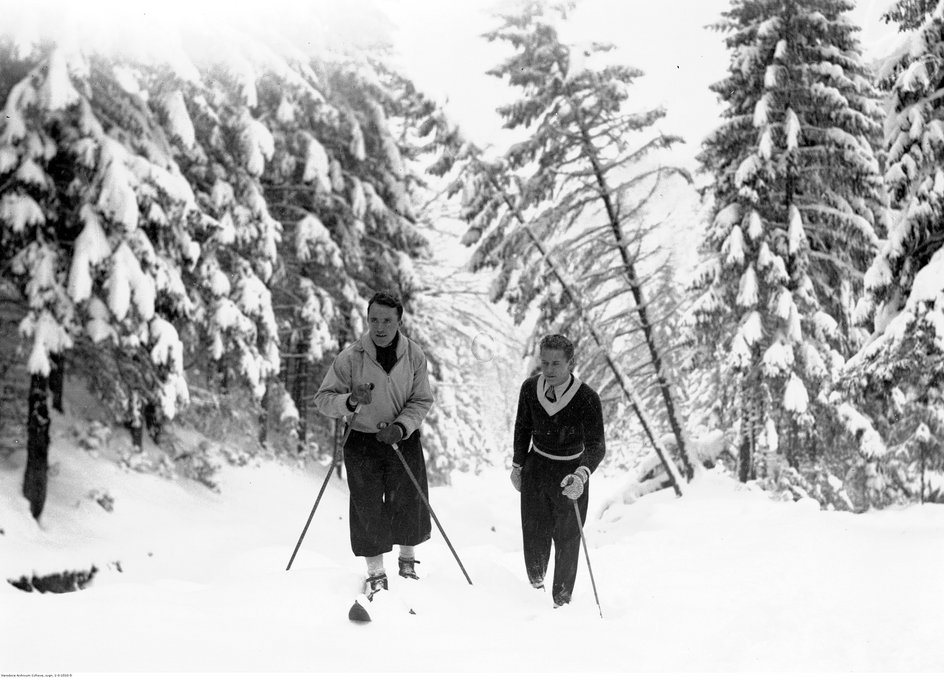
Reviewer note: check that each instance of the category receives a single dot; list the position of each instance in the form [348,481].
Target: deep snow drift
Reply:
[723,579]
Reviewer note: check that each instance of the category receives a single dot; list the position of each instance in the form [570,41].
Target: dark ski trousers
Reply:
[548,516]
[385,508]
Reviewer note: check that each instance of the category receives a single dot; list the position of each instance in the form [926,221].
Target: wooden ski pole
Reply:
[416,484]
[587,554]
[314,508]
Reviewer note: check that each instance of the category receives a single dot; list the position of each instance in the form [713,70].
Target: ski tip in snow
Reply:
[358,613]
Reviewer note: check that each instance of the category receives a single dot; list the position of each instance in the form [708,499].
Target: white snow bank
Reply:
[723,579]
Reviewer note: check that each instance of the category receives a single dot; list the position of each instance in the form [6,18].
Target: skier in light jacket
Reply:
[385,373]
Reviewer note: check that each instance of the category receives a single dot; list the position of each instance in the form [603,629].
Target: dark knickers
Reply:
[548,516]
[385,508]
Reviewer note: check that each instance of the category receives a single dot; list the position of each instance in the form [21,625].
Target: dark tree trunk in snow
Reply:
[793,446]
[264,417]
[37,445]
[745,454]
[924,451]
[300,392]
[56,378]
[154,421]
[136,422]
[748,444]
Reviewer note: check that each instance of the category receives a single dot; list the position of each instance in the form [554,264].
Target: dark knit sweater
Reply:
[579,424]
[387,355]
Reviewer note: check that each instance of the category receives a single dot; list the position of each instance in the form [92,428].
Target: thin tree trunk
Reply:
[153,421]
[642,311]
[793,457]
[136,422]
[37,445]
[299,391]
[264,417]
[750,432]
[56,378]
[746,447]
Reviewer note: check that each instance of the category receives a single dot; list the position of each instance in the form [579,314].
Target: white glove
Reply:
[516,477]
[573,483]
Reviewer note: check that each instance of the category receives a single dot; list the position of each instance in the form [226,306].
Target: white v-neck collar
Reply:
[563,399]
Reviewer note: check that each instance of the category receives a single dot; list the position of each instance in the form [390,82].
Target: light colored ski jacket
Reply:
[402,396]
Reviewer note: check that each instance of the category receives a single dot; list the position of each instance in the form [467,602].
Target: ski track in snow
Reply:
[722,580]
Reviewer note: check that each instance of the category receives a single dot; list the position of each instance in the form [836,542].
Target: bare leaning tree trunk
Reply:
[650,332]
[621,379]
[37,445]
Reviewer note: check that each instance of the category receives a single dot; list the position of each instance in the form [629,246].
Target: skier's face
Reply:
[554,366]
[384,323]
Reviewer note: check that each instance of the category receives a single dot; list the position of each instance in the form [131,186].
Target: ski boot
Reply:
[407,568]
[375,584]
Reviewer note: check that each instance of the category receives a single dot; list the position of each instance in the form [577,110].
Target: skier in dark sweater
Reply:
[558,443]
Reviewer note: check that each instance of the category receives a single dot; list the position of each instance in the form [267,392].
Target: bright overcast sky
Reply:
[440,46]
[438,43]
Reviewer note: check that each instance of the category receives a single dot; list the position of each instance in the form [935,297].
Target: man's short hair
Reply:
[387,299]
[558,342]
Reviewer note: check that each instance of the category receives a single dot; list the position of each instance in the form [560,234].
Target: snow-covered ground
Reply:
[723,579]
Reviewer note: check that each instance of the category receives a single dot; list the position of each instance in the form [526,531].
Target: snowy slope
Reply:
[721,580]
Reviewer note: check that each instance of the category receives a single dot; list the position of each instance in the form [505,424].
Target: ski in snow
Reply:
[383,606]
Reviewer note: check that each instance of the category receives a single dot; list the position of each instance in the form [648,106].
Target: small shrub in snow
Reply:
[103,499]
[230,418]
[92,437]
[236,455]
[199,464]
[131,460]
[814,484]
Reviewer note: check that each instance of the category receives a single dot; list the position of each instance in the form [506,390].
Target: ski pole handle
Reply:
[350,425]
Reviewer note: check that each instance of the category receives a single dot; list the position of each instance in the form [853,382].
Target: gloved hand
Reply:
[573,483]
[390,435]
[361,395]
[516,477]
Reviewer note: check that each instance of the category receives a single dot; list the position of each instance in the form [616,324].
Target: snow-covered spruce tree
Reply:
[898,374]
[441,317]
[342,182]
[160,224]
[338,185]
[222,149]
[579,185]
[798,202]
[98,291]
